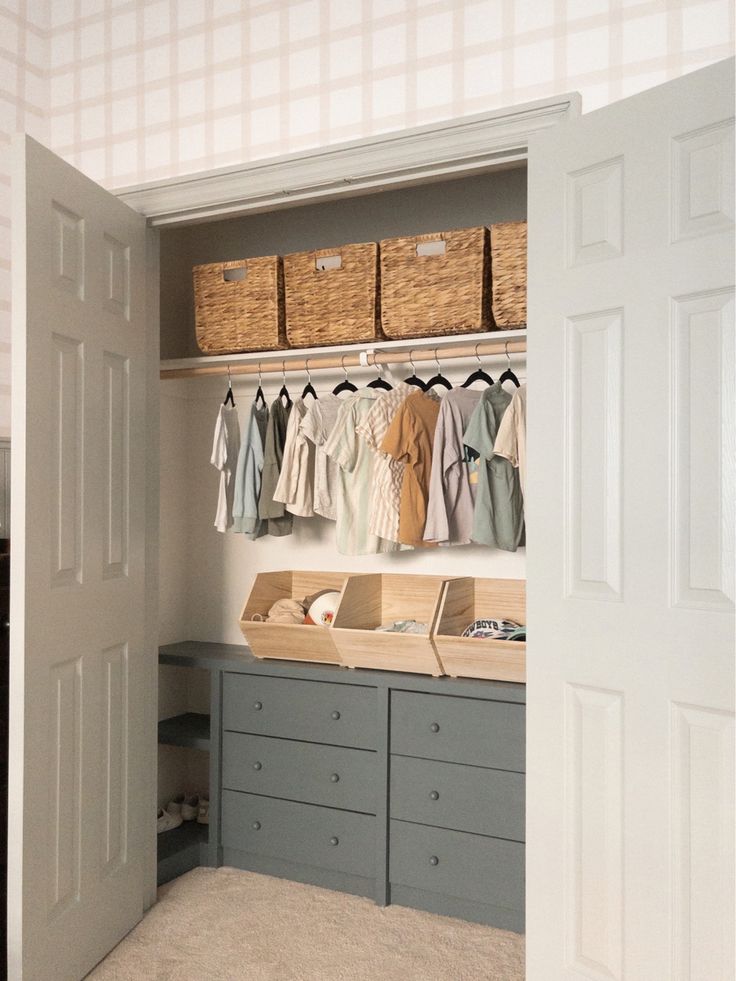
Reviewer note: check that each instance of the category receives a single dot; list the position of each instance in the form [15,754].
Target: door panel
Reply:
[81,660]
[630,511]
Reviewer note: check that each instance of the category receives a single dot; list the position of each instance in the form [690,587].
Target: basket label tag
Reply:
[436,247]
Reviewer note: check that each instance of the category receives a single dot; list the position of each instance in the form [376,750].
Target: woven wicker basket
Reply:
[332,296]
[423,295]
[508,260]
[240,314]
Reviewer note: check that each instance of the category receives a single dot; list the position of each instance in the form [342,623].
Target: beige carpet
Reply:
[226,925]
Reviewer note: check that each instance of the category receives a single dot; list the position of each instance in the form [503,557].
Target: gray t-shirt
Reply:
[498,518]
[451,493]
[279,520]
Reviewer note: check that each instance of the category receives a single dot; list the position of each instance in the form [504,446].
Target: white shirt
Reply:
[224,458]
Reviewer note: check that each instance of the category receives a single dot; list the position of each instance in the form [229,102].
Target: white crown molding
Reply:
[464,145]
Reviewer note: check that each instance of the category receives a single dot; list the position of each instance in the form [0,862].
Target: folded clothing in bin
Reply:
[491,629]
[404,627]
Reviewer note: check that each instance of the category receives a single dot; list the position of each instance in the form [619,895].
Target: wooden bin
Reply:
[508,262]
[436,284]
[332,296]
[289,641]
[466,600]
[239,306]
[370,600]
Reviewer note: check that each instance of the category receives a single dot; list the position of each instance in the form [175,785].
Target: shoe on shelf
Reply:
[203,812]
[189,807]
[174,806]
[165,821]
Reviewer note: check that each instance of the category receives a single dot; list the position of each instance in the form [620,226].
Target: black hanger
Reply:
[259,391]
[229,397]
[309,387]
[439,378]
[508,374]
[478,374]
[346,385]
[380,381]
[414,378]
[284,392]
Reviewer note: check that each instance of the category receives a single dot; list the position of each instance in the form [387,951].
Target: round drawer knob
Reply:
[257,765]
[335,778]
[258,706]
[435,727]
[335,715]
[434,795]
[434,860]
[334,840]
[256,825]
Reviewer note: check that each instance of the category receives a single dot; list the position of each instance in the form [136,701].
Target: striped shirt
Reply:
[355,490]
[388,474]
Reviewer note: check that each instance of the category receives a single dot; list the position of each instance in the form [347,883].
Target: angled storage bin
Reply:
[370,600]
[239,306]
[288,641]
[332,296]
[436,284]
[466,600]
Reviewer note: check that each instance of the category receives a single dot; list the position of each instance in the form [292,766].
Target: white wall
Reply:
[218,569]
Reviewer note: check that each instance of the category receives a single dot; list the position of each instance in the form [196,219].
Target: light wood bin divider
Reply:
[370,600]
[289,641]
[466,600]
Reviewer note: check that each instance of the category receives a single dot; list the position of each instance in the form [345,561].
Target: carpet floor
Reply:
[226,925]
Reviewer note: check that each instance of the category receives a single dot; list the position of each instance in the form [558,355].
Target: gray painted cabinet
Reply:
[404,788]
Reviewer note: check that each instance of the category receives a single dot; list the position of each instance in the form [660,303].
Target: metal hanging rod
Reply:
[424,351]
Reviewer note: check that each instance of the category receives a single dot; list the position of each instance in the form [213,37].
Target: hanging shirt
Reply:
[279,520]
[225,445]
[511,439]
[498,518]
[317,425]
[409,439]
[354,460]
[451,494]
[248,475]
[388,473]
[296,478]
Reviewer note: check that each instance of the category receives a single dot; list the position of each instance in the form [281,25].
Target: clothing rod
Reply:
[353,360]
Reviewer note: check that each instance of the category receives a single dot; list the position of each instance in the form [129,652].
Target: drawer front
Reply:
[458,730]
[464,798]
[302,833]
[342,715]
[483,870]
[329,775]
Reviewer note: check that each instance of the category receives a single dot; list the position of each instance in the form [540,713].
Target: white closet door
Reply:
[631,539]
[81,761]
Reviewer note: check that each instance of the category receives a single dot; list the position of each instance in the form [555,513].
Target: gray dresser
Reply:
[404,788]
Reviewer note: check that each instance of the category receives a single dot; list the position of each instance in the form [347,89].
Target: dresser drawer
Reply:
[302,833]
[342,715]
[482,870]
[464,798]
[306,772]
[458,730]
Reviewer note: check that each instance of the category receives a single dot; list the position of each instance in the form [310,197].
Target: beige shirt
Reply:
[511,438]
[296,477]
[387,474]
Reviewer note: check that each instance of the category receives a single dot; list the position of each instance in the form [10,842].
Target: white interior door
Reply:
[631,539]
[81,759]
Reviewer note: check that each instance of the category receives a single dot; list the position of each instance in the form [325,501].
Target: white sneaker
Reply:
[166,821]
[189,807]
[174,806]
[203,812]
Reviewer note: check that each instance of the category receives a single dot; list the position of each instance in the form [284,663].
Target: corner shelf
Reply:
[192,729]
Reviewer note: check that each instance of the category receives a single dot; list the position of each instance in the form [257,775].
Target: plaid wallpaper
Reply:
[130,91]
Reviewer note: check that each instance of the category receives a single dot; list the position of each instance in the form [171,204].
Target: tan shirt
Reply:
[409,439]
[511,438]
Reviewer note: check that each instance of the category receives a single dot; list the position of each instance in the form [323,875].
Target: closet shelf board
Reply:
[192,729]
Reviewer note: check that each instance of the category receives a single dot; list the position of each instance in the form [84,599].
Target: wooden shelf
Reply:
[192,729]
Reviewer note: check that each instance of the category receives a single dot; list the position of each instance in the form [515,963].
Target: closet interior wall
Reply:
[204,575]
